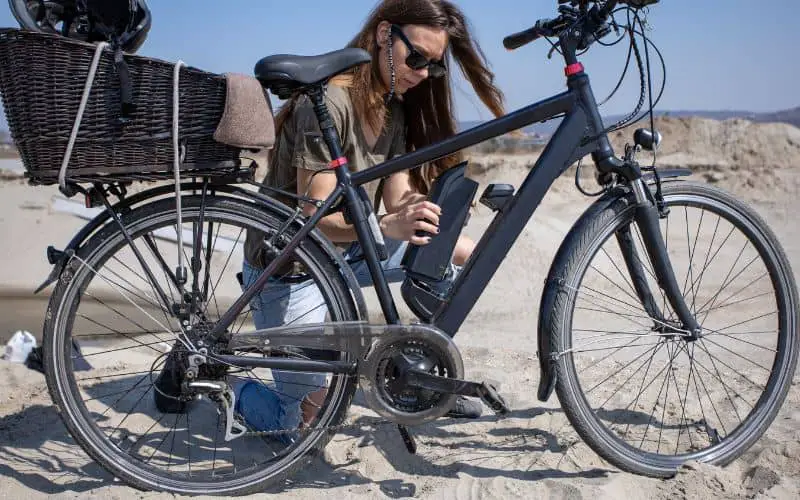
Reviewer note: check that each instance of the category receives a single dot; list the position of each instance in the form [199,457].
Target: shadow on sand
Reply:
[37,450]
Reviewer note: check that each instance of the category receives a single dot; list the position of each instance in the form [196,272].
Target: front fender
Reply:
[555,278]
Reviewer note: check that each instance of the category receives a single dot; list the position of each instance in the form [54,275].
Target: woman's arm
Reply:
[400,225]
[323,184]
[398,192]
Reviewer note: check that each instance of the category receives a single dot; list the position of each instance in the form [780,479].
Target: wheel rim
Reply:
[723,439]
[109,453]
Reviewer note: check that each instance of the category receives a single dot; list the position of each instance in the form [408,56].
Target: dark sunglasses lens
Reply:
[416,61]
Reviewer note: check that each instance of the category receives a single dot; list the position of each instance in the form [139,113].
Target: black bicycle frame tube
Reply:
[522,117]
[347,182]
[301,365]
[233,312]
[501,234]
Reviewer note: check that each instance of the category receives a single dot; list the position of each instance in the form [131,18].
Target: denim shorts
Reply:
[280,303]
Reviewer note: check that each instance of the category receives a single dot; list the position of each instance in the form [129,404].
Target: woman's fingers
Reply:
[422,225]
[432,206]
[420,240]
[427,213]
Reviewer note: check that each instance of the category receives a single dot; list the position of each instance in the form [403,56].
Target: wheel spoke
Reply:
[116,401]
[694,396]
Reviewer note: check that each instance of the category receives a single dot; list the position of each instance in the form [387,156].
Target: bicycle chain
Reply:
[374,423]
[378,422]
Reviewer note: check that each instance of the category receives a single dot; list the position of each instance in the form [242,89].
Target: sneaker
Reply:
[466,408]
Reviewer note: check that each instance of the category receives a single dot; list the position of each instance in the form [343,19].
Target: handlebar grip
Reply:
[517,40]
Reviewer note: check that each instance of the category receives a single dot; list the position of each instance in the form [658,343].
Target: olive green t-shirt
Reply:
[301,145]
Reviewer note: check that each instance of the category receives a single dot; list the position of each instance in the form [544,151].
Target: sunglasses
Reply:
[416,60]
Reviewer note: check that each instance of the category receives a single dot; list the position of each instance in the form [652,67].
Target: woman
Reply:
[399,102]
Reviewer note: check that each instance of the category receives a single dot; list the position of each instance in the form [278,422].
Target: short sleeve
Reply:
[310,149]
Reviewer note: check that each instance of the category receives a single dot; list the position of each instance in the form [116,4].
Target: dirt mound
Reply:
[753,159]
[756,160]
[734,143]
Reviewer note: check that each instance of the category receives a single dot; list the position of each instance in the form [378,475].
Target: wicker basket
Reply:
[42,80]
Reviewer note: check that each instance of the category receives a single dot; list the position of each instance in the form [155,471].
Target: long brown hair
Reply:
[428,107]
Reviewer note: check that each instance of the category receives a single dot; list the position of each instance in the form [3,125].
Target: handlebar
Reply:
[553,27]
[543,27]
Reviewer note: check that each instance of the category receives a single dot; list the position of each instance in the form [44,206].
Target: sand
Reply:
[532,453]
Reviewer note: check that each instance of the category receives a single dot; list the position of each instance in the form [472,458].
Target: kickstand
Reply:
[408,439]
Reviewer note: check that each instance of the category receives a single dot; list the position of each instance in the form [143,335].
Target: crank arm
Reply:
[424,380]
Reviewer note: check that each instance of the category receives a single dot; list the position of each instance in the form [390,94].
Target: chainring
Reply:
[385,393]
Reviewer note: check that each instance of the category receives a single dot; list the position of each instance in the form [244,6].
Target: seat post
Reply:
[329,132]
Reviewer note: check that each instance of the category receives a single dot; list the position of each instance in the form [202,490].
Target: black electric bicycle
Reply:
[706,371]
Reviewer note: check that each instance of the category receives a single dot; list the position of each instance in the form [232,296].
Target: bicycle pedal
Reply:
[493,399]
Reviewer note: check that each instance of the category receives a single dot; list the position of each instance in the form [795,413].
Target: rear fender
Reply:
[59,257]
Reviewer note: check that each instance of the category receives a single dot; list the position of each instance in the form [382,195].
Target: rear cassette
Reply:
[422,348]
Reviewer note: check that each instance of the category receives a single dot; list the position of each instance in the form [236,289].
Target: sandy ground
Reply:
[532,453]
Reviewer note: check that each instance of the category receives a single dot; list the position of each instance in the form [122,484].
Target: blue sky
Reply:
[720,54]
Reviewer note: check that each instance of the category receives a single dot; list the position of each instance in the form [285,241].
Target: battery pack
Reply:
[453,192]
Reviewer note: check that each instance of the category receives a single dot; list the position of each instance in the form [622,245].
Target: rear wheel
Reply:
[636,389]
[106,311]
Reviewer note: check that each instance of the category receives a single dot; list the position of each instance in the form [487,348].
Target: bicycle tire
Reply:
[570,264]
[64,302]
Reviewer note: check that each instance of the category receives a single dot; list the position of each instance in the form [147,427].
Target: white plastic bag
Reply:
[19,347]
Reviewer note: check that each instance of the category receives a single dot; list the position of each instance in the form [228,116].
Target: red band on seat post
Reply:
[573,69]
[338,162]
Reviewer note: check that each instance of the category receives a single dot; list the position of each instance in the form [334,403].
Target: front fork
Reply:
[647,215]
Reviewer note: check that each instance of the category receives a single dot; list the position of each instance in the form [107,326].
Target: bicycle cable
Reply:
[645,85]
[630,31]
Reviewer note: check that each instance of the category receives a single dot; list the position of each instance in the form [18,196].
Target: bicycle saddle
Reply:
[306,70]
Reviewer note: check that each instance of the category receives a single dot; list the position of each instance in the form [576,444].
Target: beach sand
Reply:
[532,453]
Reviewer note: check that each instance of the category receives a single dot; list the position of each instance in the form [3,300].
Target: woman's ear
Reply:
[382,33]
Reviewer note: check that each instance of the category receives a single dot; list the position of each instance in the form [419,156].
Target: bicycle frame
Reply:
[581,132]
[579,109]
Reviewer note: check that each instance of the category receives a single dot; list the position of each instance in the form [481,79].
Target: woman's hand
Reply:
[403,224]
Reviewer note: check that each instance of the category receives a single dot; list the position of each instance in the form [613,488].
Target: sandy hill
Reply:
[733,143]
[738,154]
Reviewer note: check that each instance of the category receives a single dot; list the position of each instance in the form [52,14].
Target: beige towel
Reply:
[247,121]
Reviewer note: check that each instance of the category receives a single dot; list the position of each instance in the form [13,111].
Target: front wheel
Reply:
[639,391]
